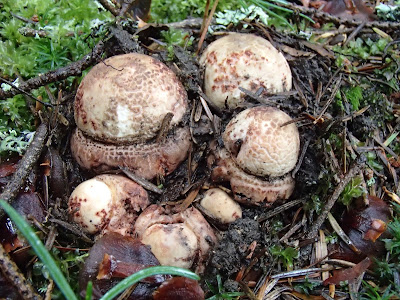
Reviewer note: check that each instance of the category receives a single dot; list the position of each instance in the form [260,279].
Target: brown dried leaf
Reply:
[349,274]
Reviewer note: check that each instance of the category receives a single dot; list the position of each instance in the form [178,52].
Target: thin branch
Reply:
[332,200]
[25,165]
[111,8]
[18,280]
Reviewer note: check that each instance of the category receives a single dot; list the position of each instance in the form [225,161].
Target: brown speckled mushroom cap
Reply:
[259,144]
[125,98]
[242,60]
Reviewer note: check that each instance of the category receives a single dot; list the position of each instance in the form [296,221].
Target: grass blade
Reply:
[40,251]
[134,278]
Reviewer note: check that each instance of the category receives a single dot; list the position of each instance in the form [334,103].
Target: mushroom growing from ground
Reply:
[242,60]
[107,203]
[258,154]
[180,239]
[220,207]
[121,106]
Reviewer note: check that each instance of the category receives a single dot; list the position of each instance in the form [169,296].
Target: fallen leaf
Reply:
[349,274]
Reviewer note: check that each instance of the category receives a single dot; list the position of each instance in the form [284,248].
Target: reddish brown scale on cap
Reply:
[246,61]
[120,107]
[258,155]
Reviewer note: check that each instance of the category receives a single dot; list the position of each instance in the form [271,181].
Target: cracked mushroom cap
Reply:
[125,98]
[259,144]
[181,239]
[242,60]
[107,203]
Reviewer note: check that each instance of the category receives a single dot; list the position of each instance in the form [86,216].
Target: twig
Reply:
[12,273]
[23,92]
[111,8]
[301,157]
[25,165]
[332,200]
[74,69]
[205,29]
[354,33]
[140,180]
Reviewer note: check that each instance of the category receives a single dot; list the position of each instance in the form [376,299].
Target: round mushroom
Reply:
[120,107]
[219,206]
[260,151]
[107,203]
[180,239]
[242,60]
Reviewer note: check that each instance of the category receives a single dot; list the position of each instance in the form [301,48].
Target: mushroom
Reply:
[107,203]
[120,108]
[180,239]
[259,152]
[242,60]
[219,206]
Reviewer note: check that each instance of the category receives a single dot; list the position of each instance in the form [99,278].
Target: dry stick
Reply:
[74,69]
[332,200]
[205,29]
[11,272]
[111,8]
[25,165]
[354,33]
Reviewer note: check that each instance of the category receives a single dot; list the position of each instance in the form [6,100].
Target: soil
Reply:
[243,257]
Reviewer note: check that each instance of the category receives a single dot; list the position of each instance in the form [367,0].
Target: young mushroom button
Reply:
[242,60]
[107,203]
[119,110]
[259,152]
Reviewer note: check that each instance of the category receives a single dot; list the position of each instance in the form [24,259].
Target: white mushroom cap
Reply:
[107,203]
[242,60]
[90,204]
[219,205]
[125,98]
[172,244]
[259,144]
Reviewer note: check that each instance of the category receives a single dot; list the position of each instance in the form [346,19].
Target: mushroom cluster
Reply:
[261,147]
[120,107]
[246,61]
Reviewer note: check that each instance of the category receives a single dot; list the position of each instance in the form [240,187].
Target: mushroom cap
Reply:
[90,206]
[172,244]
[107,203]
[125,98]
[171,235]
[242,60]
[219,205]
[259,144]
